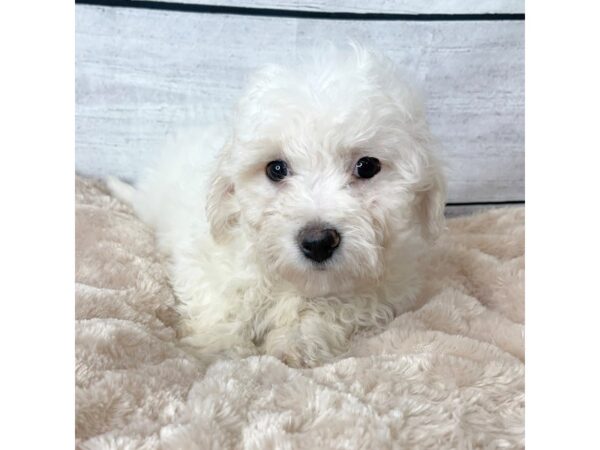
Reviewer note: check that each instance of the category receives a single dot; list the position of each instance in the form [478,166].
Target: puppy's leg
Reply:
[219,338]
[123,191]
[307,343]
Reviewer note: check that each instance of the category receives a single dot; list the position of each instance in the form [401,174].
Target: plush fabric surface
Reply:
[449,374]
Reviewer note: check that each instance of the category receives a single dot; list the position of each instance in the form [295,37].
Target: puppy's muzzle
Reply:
[318,242]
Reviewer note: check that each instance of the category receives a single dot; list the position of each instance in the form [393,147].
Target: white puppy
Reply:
[310,225]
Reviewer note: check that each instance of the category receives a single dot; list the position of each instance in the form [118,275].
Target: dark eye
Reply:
[276,170]
[367,167]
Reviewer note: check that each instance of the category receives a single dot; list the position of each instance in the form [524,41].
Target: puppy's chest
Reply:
[353,311]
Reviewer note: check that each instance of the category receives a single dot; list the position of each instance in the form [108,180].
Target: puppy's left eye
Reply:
[276,170]
[367,167]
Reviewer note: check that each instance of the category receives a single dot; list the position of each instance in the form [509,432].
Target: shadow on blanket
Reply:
[448,375]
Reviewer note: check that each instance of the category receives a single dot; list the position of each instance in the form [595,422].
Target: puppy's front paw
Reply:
[299,351]
[293,360]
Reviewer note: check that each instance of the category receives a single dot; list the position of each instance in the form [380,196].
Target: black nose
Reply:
[318,243]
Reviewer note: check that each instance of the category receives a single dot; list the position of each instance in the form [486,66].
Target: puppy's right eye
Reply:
[367,167]
[277,170]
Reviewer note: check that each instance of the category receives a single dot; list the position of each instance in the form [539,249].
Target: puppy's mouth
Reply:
[319,267]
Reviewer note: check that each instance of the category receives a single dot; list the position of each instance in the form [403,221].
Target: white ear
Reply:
[222,211]
[430,204]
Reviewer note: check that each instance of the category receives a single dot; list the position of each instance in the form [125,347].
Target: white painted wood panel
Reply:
[140,74]
[378,6]
[467,210]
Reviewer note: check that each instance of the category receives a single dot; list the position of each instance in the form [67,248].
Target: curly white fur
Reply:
[230,231]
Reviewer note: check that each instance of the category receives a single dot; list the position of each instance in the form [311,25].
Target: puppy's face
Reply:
[327,175]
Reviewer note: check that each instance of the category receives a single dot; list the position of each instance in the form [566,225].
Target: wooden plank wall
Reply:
[374,6]
[146,68]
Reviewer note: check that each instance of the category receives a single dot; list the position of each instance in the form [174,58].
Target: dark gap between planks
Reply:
[266,12]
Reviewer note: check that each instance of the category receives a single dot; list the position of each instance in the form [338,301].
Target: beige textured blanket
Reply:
[448,375]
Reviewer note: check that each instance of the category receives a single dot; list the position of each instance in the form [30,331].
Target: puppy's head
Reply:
[328,174]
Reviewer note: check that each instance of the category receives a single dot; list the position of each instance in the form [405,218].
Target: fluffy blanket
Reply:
[447,375]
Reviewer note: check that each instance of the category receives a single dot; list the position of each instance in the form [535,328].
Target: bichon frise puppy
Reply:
[310,224]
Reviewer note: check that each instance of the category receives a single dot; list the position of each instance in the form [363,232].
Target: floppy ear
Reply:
[430,204]
[222,211]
